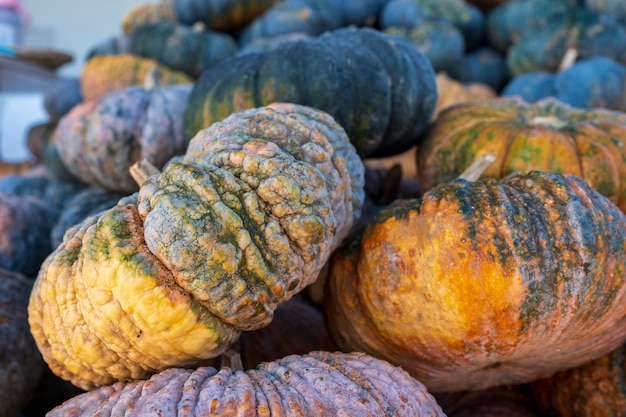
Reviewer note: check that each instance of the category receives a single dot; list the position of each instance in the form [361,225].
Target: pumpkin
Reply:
[378,87]
[541,45]
[297,385]
[89,201]
[506,400]
[206,249]
[105,74]
[100,139]
[181,47]
[484,65]
[37,136]
[112,45]
[310,17]
[484,283]
[222,15]
[21,366]
[546,135]
[616,8]
[41,184]
[593,82]
[451,92]
[464,16]
[594,388]
[61,97]
[441,42]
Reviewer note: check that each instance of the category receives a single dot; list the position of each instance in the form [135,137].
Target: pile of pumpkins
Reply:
[319,207]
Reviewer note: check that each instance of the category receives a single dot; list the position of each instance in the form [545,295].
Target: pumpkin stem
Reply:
[142,170]
[569,58]
[199,27]
[478,167]
[152,79]
[231,359]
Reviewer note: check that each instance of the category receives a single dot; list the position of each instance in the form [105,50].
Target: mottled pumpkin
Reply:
[311,17]
[206,249]
[104,74]
[41,184]
[596,388]
[319,383]
[21,366]
[181,47]
[100,139]
[378,87]
[546,135]
[484,283]
[593,82]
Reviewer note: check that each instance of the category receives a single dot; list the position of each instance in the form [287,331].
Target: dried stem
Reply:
[142,170]
[231,359]
[478,167]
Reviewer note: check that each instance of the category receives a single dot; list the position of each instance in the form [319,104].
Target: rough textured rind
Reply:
[316,384]
[98,140]
[21,366]
[546,135]
[485,283]
[596,388]
[211,245]
[378,87]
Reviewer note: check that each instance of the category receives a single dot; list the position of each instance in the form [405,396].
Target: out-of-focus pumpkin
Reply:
[597,82]
[180,47]
[536,34]
[90,201]
[104,74]
[21,366]
[206,249]
[451,92]
[222,15]
[319,383]
[100,139]
[378,87]
[484,283]
[596,388]
[484,65]
[547,135]
[311,17]
[61,97]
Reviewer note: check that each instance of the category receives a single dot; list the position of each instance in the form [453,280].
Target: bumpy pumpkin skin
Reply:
[546,135]
[104,74]
[319,383]
[144,14]
[378,87]
[21,366]
[484,283]
[244,221]
[596,388]
[100,139]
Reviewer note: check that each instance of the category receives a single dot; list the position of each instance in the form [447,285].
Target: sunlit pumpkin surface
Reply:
[547,135]
[485,283]
[207,248]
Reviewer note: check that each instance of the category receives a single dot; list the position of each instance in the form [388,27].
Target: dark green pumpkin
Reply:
[223,15]
[311,17]
[112,45]
[484,65]
[181,47]
[63,94]
[594,82]
[379,87]
[536,34]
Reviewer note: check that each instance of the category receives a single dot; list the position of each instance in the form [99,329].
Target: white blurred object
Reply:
[19,113]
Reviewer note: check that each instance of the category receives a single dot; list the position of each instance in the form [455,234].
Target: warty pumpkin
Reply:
[319,383]
[206,249]
[21,366]
[484,283]
[546,135]
[105,74]
[100,139]
[378,87]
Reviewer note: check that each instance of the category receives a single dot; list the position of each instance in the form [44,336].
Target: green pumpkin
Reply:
[181,47]
[379,88]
